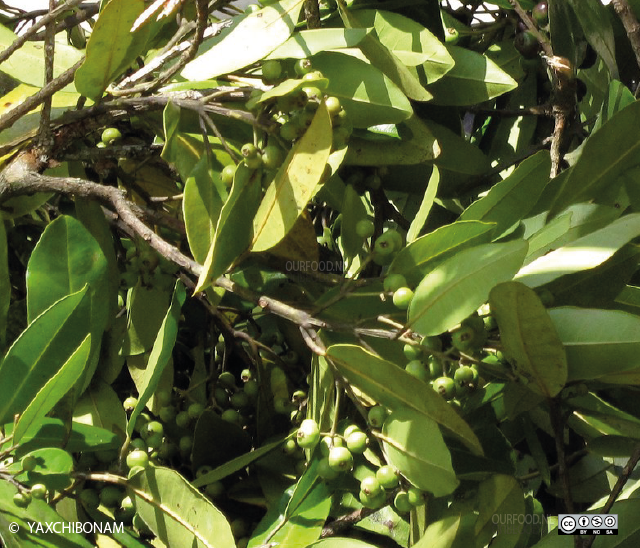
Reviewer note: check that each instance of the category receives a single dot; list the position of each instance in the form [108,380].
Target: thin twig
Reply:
[630,23]
[51,16]
[44,140]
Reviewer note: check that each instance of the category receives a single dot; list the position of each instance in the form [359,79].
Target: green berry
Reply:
[289,447]
[183,419]
[289,131]
[540,13]
[111,496]
[365,228]
[445,386]
[155,441]
[167,413]
[130,403]
[357,442]
[185,444]
[271,70]
[340,459]
[215,489]
[204,469]
[251,388]
[372,501]
[333,105]
[249,150]
[350,430]
[436,369]
[463,375]
[39,491]
[239,399]
[151,428]
[21,500]
[415,496]
[371,486]
[385,245]
[412,351]
[299,396]
[227,174]
[377,416]
[418,369]
[308,434]
[195,410]
[110,135]
[388,476]
[89,498]
[163,397]
[325,471]
[393,282]
[327,443]
[254,162]
[314,94]
[167,450]
[137,458]
[402,298]
[303,66]
[231,415]
[272,157]
[227,380]
[463,338]
[401,503]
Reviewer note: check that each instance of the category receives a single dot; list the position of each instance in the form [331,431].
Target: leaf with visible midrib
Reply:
[295,184]
[529,340]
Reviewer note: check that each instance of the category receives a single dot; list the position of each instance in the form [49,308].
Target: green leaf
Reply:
[201,208]
[416,144]
[53,468]
[53,433]
[231,441]
[234,231]
[101,406]
[65,259]
[236,464]
[296,182]
[498,495]
[40,351]
[27,63]
[181,517]
[607,154]
[338,542]
[420,219]
[414,445]
[473,79]
[511,199]
[112,47]
[307,43]
[248,40]
[600,344]
[368,96]
[160,353]
[394,388]
[457,154]
[5,286]
[584,253]
[529,340]
[28,519]
[440,534]
[601,418]
[353,210]
[419,257]
[459,285]
[52,392]
[146,307]
[596,25]
[409,41]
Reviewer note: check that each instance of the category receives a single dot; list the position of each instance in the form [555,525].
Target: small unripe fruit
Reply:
[21,500]
[463,338]
[402,298]
[387,476]
[385,245]
[289,447]
[393,282]
[401,503]
[371,486]
[436,369]
[251,388]
[365,228]
[227,174]
[239,399]
[325,471]
[303,66]
[183,419]
[155,441]
[232,416]
[185,444]
[204,469]
[463,374]
[137,458]
[29,463]
[163,397]
[333,105]
[89,499]
[215,489]
[168,413]
[151,428]
[418,369]
[111,496]
[372,501]
[227,380]
[272,157]
[340,459]
[308,434]
[377,416]
[415,496]
[326,444]
[540,13]
[130,403]
[350,430]
[412,351]
[39,491]
[271,70]
[110,135]
[445,387]
[357,442]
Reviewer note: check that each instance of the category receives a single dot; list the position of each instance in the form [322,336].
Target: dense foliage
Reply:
[319,274]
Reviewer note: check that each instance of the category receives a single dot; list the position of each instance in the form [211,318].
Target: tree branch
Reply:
[630,23]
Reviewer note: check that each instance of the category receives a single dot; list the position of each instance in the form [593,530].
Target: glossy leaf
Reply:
[600,344]
[394,388]
[409,41]
[457,154]
[419,257]
[368,96]
[146,307]
[473,79]
[201,208]
[296,182]
[307,43]
[27,519]
[100,406]
[181,517]
[529,340]
[414,445]
[425,206]
[40,351]
[460,284]
[234,232]
[53,391]
[584,253]
[416,144]
[248,40]
[511,199]
[66,258]
[160,353]
[338,542]
[27,63]
[53,468]
[112,47]
[498,495]
[440,534]
[606,155]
